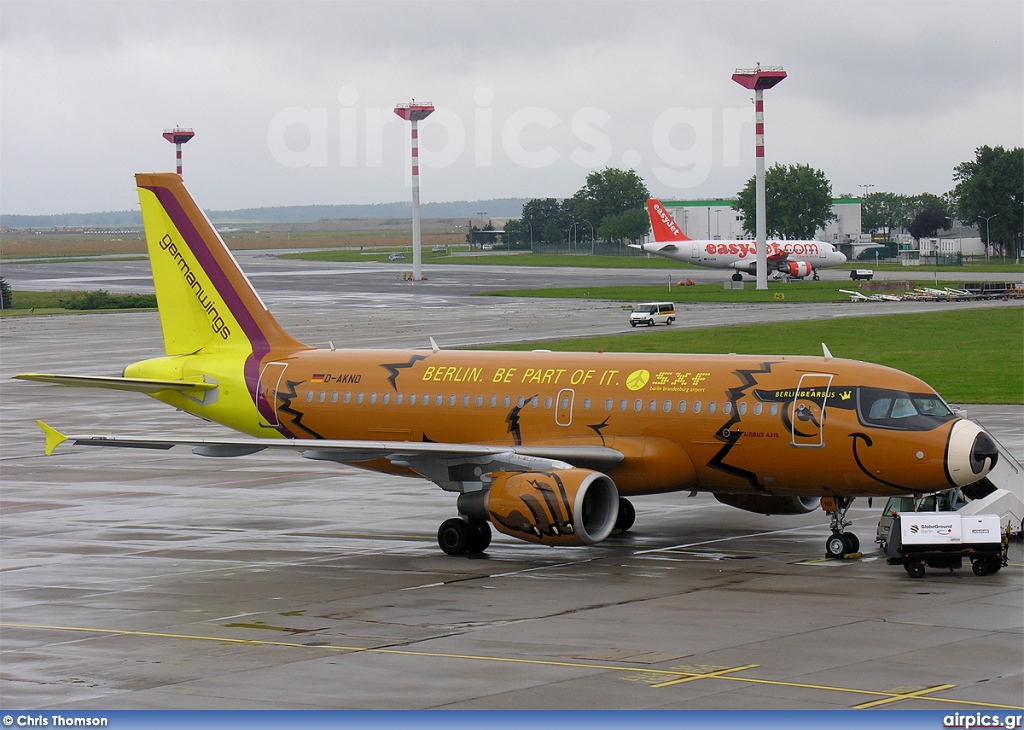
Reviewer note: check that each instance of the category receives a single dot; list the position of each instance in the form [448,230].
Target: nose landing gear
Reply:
[840,543]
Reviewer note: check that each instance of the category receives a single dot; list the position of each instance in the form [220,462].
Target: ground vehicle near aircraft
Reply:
[544,446]
[652,313]
[793,259]
[944,539]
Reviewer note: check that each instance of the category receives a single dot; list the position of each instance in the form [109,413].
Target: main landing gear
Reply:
[839,543]
[472,535]
[459,536]
[737,276]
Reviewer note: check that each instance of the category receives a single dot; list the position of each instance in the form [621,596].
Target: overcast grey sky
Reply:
[291,101]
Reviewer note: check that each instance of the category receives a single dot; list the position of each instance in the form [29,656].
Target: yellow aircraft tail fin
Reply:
[204,298]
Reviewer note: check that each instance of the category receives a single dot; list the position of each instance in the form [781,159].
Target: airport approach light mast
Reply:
[413,113]
[178,137]
[758,79]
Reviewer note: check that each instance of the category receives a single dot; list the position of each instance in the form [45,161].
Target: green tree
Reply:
[928,222]
[607,192]
[629,226]
[992,186]
[883,211]
[798,201]
[538,219]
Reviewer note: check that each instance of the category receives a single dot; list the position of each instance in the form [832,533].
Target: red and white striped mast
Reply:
[758,79]
[179,137]
[413,113]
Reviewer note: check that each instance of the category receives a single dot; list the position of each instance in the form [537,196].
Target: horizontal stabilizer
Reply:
[135,385]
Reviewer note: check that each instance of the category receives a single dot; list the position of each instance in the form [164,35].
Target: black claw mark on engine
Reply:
[394,368]
[286,406]
[857,436]
[550,518]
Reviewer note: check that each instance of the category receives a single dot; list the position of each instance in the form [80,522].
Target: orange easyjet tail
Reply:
[664,225]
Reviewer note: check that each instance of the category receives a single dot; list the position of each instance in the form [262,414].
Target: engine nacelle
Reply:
[798,269]
[770,505]
[559,507]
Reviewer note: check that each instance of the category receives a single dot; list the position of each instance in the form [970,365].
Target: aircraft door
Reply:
[266,393]
[563,406]
[806,412]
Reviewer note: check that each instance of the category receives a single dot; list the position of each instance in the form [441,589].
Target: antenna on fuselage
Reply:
[828,355]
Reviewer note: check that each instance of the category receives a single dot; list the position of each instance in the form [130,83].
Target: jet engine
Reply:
[797,269]
[770,505]
[559,507]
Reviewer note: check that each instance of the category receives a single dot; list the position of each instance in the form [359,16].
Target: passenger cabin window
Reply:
[900,411]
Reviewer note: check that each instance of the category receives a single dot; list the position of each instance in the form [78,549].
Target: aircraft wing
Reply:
[135,385]
[451,466]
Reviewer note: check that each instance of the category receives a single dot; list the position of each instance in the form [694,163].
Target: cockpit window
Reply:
[897,410]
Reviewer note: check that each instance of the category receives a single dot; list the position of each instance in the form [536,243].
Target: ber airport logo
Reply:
[682,140]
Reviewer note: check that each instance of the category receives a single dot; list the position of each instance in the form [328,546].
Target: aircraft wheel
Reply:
[454,536]
[627,515]
[816,277]
[737,276]
[480,531]
[981,567]
[915,569]
[853,542]
[836,546]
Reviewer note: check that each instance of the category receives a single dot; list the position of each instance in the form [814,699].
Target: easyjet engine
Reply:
[770,505]
[559,507]
[797,269]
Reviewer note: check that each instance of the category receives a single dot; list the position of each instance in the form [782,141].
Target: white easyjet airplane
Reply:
[795,259]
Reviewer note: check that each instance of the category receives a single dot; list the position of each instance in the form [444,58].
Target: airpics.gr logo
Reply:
[206,301]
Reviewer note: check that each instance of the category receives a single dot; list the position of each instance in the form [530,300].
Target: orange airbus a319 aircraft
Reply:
[543,446]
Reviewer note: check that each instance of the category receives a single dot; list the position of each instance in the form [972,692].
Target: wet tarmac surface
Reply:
[135,579]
